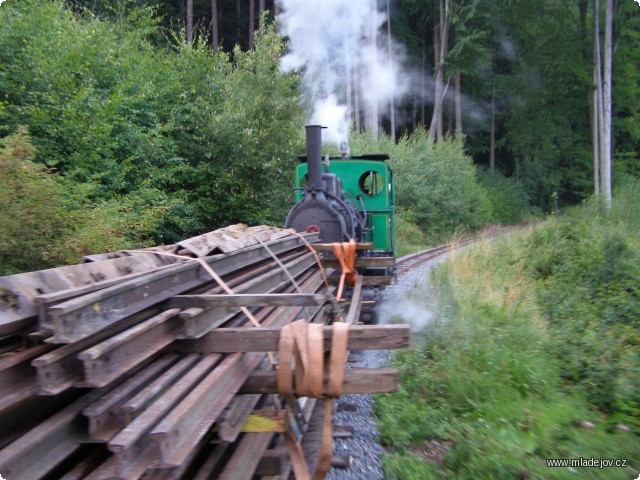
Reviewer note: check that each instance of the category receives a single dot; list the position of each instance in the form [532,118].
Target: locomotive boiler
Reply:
[344,198]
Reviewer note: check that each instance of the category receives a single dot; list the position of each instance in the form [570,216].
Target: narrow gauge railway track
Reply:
[134,367]
[411,261]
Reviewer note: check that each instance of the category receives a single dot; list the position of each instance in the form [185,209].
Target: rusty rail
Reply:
[120,377]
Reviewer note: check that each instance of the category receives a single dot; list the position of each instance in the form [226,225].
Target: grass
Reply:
[536,337]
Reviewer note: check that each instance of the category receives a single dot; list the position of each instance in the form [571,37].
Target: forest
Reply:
[137,122]
[130,123]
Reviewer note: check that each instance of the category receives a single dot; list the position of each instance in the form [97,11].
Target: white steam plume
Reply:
[418,314]
[335,42]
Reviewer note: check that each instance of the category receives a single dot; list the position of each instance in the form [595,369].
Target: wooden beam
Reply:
[329,246]
[356,303]
[248,300]
[356,380]
[367,280]
[362,262]
[272,462]
[229,340]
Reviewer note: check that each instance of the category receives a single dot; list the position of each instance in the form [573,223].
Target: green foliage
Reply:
[588,265]
[31,210]
[534,334]
[506,195]
[436,185]
[626,97]
[409,237]
[205,139]
[43,223]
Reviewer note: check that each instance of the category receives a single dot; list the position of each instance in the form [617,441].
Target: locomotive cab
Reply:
[345,198]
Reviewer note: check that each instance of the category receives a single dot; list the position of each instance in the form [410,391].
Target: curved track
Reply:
[411,261]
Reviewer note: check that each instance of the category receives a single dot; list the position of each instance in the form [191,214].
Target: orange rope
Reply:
[345,252]
[310,247]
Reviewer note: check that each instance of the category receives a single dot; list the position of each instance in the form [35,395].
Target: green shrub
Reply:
[507,197]
[32,209]
[45,223]
[436,184]
[213,137]
[535,334]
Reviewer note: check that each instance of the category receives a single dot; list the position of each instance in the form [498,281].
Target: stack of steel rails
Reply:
[144,365]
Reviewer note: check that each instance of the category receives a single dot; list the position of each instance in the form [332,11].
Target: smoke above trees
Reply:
[349,64]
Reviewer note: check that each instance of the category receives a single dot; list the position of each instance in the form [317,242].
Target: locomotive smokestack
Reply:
[314,156]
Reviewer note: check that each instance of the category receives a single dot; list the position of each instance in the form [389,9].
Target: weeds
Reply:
[536,334]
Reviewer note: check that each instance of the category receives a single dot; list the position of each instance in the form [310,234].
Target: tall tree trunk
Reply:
[356,100]
[214,25]
[450,110]
[261,12]
[492,140]
[189,21]
[276,12]
[458,101]
[597,97]
[238,19]
[252,22]
[438,87]
[350,107]
[392,107]
[441,49]
[423,86]
[373,112]
[595,129]
[606,94]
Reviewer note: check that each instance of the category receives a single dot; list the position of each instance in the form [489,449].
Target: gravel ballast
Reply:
[363,446]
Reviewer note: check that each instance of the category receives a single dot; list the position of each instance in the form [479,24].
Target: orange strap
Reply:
[300,373]
[345,252]
[311,249]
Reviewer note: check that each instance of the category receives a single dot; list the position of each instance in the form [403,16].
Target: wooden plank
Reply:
[265,339]
[367,280]
[342,431]
[341,461]
[272,280]
[362,262]
[243,463]
[329,246]
[248,300]
[272,462]
[114,357]
[356,380]
[235,416]
[356,303]
[105,415]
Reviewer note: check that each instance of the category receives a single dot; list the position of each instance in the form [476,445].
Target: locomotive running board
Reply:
[367,281]
[362,262]
[329,246]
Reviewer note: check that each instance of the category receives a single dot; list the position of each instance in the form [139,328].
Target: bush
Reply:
[45,223]
[535,334]
[587,265]
[507,197]
[210,138]
[436,185]
[32,210]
